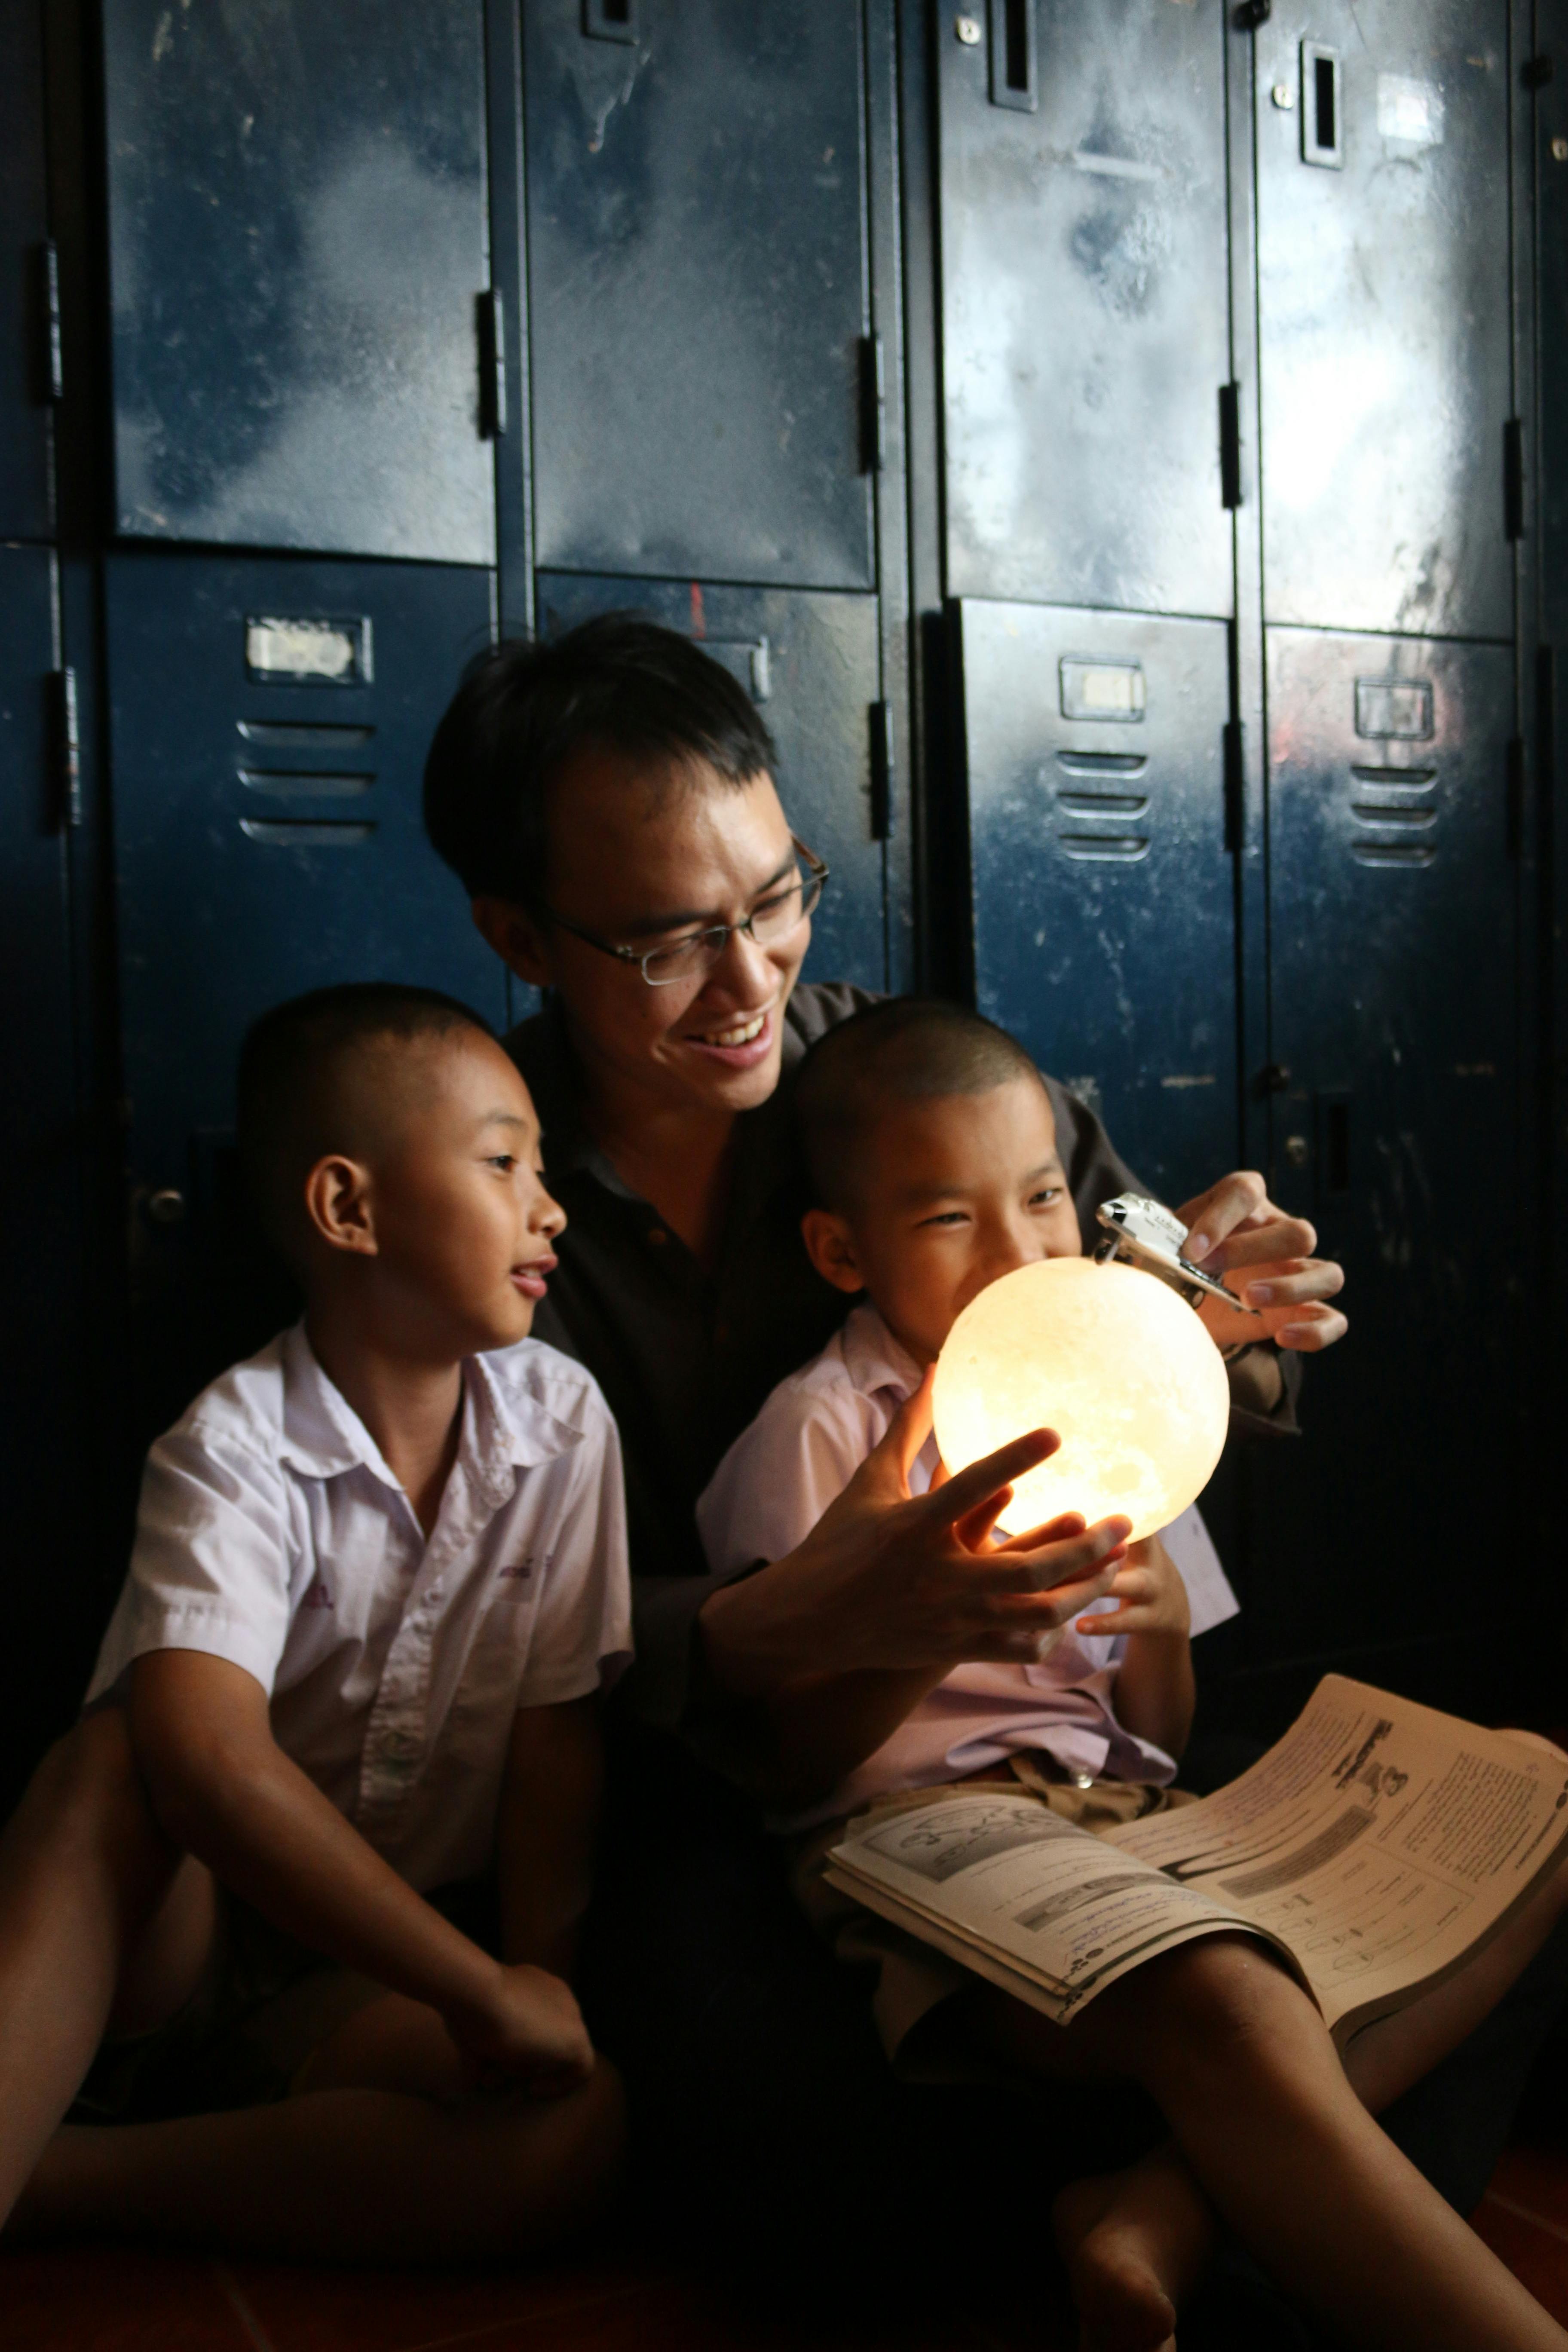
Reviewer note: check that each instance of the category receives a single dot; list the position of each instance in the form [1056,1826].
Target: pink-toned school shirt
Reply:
[775,1482]
[272,1533]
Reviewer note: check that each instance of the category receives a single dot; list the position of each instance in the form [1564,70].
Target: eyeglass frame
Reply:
[723,932]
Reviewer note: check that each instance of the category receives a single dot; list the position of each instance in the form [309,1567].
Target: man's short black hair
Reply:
[293,1104]
[523,709]
[905,1049]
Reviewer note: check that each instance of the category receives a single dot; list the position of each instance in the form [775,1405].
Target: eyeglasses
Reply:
[782,912]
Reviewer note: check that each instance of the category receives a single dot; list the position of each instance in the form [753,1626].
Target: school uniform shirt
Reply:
[687,1353]
[780,1476]
[272,1533]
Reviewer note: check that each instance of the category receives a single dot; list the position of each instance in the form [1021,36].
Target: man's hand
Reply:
[1150,1596]
[887,1582]
[1235,1234]
[527,2034]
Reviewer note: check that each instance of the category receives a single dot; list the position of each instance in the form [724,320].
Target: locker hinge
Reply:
[1234,777]
[873,406]
[1230,444]
[1514,478]
[492,366]
[51,359]
[1516,773]
[882,770]
[67,746]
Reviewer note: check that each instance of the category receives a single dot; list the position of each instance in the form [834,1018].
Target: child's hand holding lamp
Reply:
[1113,1360]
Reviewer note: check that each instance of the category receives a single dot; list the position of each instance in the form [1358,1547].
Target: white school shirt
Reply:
[775,1482]
[272,1533]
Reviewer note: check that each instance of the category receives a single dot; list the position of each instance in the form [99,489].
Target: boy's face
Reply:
[454,1213]
[954,1192]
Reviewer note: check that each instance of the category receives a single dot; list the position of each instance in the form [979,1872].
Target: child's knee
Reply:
[1222,1996]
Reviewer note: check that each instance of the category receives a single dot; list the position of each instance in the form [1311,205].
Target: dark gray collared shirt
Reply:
[686,1356]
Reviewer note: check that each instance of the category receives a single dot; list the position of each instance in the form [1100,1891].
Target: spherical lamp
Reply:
[1113,1360]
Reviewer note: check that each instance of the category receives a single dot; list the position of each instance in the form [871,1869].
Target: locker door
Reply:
[811,663]
[1384,307]
[1551,317]
[1395,978]
[268,722]
[697,289]
[1084,302]
[297,247]
[1104,933]
[46,1443]
[25,508]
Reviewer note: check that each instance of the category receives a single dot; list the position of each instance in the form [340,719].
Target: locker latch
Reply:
[67,746]
[492,366]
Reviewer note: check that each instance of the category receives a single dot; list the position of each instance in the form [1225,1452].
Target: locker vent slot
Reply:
[285,735]
[1393,813]
[1321,108]
[1105,848]
[1388,853]
[1103,804]
[1403,780]
[1103,764]
[304,833]
[317,785]
[1013,74]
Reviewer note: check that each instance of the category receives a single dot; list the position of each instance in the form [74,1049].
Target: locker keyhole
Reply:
[1324,126]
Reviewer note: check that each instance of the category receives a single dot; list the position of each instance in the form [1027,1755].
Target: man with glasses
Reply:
[608,800]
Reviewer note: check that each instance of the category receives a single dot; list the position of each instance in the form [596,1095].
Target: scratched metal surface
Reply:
[1104,930]
[297,240]
[24,503]
[1392,904]
[1084,319]
[820,657]
[698,291]
[1383,311]
[216,922]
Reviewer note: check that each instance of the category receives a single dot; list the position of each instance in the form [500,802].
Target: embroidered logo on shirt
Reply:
[520,1570]
[317,1597]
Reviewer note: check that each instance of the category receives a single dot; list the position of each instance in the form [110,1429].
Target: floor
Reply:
[111,2300]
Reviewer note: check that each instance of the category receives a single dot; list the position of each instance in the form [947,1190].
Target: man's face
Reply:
[641,858]
[955,1192]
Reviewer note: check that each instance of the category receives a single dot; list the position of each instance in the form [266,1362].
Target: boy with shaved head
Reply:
[348,1696]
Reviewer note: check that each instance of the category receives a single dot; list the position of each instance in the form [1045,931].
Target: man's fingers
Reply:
[1291,1282]
[1218,1212]
[1061,1530]
[967,1489]
[974,1531]
[1102,1546]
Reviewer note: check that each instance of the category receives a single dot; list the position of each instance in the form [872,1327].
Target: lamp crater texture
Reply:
[1113,1360]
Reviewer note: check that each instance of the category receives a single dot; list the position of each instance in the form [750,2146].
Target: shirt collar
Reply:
[504,1426]
[874,1359]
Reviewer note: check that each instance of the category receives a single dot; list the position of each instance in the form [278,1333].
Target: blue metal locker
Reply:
[704,393]
[28,293]
[810,661]
[1383,311]
[1104,925]
[297,253]
[1085,324]
[1394,979]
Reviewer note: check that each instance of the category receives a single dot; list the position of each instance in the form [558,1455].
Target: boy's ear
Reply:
[338,1205]
[518,940]
[830,1247]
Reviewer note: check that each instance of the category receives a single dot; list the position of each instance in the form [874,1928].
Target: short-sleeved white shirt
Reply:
[780,1476]
[272,1533]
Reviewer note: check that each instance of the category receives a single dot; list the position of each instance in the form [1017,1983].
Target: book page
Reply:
[996,1877]
[1382,1842]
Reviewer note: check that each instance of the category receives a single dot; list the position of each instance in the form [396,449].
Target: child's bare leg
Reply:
[388,2162]
[101,1922]
[1277,2140]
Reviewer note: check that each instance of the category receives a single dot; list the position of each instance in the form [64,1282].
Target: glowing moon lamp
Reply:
[1113,1360]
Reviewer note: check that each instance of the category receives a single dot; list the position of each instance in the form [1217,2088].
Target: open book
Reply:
[1377,1846]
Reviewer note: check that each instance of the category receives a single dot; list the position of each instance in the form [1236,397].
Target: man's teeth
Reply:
[742,1036]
